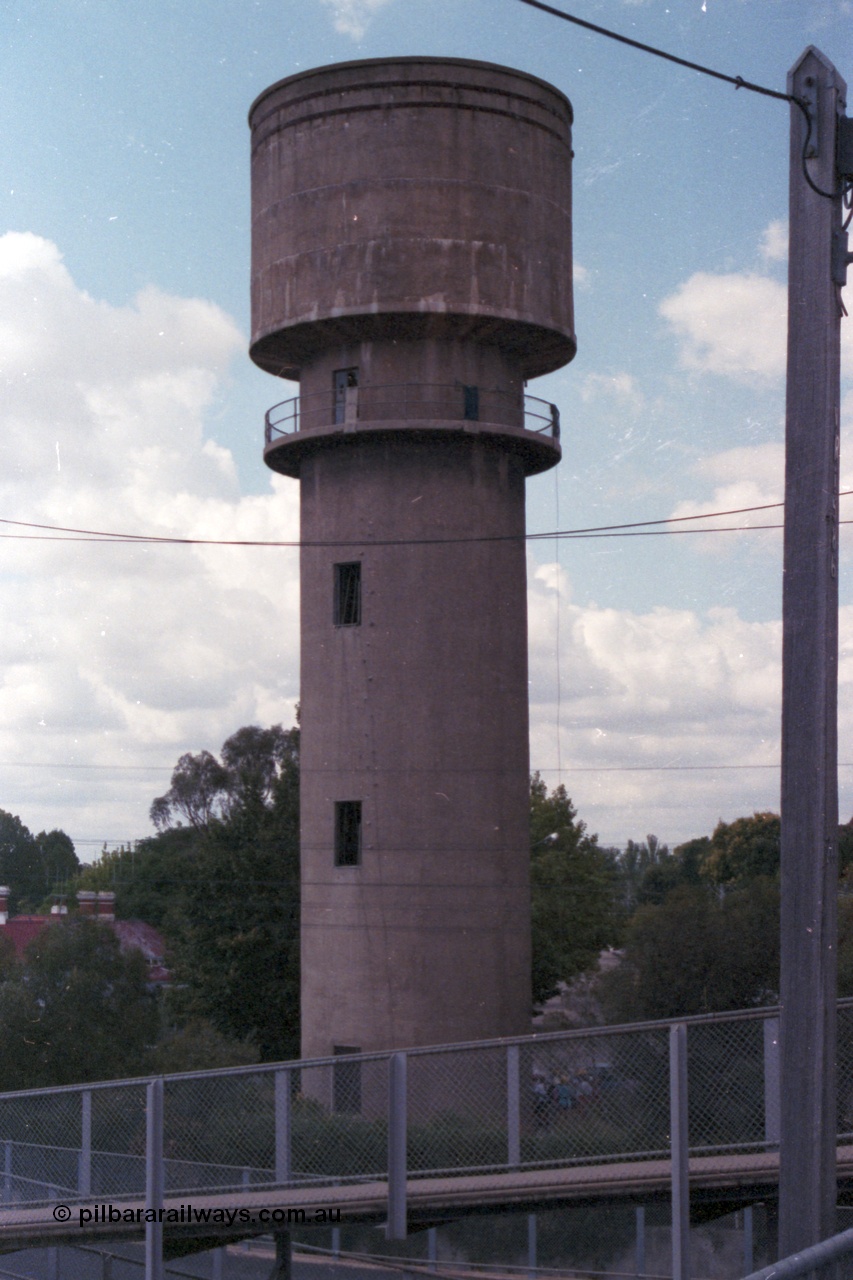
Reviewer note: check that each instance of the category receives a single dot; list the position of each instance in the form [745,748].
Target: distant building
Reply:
[133,935]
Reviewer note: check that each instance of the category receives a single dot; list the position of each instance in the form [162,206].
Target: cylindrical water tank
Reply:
[410,198]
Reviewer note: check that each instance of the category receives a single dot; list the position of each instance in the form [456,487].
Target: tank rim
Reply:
[410,60]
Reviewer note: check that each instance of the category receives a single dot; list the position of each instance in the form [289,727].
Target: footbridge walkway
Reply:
[409,1138]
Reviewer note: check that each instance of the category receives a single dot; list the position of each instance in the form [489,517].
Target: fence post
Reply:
[679,1150]
[531,1246]
[84,1165]
[7,1171]
[640,1246]
[283,1268]
[282,1127]
[432,1248]
[748,1249]
[772,1094]
[513,1106]
[396,1228]
[154,1180]
[245,1183]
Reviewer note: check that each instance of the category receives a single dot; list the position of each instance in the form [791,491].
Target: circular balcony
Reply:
[526,425]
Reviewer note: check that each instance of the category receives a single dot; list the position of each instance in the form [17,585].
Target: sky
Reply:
[128,402]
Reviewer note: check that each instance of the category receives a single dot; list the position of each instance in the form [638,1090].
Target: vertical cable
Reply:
[559,665]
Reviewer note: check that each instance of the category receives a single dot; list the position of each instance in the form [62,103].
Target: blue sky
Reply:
[130,403]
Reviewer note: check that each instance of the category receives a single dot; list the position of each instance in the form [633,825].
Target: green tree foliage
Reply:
[698,953]
[845,847]
[648,872]
[634,864]
[197,1046]
[229,887]
[33,866]
[147,877]
[573,889]
[77,1010]
[744,849]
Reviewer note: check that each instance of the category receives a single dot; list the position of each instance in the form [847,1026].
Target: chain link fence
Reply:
[492,1111]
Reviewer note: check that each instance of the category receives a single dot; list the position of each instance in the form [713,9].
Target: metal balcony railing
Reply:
[410,401]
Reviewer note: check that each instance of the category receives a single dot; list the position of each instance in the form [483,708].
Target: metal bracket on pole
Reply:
[844,157]
[154,1179]
[396,1228]
[679,1151]
[808,97]
[841,256]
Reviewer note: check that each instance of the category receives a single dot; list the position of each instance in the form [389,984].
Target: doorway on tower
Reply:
[345,384]
[346,1088]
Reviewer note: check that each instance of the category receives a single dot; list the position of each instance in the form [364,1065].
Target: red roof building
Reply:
[133,935]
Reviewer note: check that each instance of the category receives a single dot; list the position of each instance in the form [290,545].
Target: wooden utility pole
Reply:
[807,1174]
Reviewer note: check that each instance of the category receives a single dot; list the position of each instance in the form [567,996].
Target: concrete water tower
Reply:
[411,267]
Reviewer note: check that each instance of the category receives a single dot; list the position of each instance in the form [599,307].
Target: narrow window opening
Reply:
[347,833]
[347,1080]
[345,383]
[347,604]
[472,404]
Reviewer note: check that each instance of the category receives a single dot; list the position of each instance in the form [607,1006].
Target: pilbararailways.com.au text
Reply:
[103,1214]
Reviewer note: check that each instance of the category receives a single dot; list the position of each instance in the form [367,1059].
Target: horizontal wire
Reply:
[737,81]
[97,535]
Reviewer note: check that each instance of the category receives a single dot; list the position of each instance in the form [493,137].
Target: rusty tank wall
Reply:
[412,237]
[411,197]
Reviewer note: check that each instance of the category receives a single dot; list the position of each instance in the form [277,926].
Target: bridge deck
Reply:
[729,1179]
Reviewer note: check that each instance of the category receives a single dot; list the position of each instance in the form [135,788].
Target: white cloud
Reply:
[736,324]
[117,654]
[641,693]
[774,241]
[747,476]
[352,17]
[581,276]
[754,476]
[620,387]
[733,324]
[644,694]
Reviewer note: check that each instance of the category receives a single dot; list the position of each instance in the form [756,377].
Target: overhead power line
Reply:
[737,81]
[71,534]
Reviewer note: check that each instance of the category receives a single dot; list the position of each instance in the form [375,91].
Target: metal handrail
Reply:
[605,1030]
[408,400]
[807,1260]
